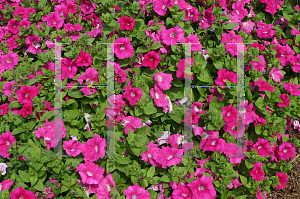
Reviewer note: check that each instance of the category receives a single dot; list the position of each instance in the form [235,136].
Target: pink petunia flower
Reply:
[182,192]
[69,68]
[6,184]
[55,20]
[212,144]
[151,59]
[136,192]
[147,156]
[282,180]
[94,148]
[131,123]
[161,6]
[259,65]
[72,27]
[296,63]
[173,35]
[265,30]
[26,94]
[73,147]
[285,99]
[90,172]
[126,23]
[4,109]
[133,95]
[84,59]
[6,141]
[263,147]
[293,88]
[286,150]
[264,86]
[257,173]
[203,188]
[123,48]
[9,61]
[90,76]
[160,99]
[106,186]
[276,74]
[180,73]
[121,75]
[163,80]
[22,193]
[168,157]
[33,43]
[194,41]
[224,75]
[247,26]
[12,43]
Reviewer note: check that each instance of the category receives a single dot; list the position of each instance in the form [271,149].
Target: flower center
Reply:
[172,34]
[70,68]
[228,114]
[224,80]
[9,60]
[156,95]
[151,59]
[283,55]
[298,63]
[237,12]
[133,94]
[171,156]
[285,150]
[7,143]
[133,196]
[72,150]
[149,156]
[46,138]
[159,78]
[108,187]
[54,22]
[214,143]
[89,81]
[201,187]
[266,32]
[26,95]
[234,128]
[254,64]
[184,195]
[14,25]
[89,174]
[21,197]
[259,147]
[96,147]
[128,23]
[122,47]
[164,6]
[246,24]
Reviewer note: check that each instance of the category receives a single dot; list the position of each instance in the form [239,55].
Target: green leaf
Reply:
[155,46]
[124,160]
[47,115]
[259,103]
[73,161]
[230,25]
[166,178]
[150,109]
[151,171]
[14,104]
[297,41]
[256,59]
[142,49]
[285,138]
[218,64]
[24,175]
[64,188]
[139,24]
[75,94]
[25,4]
[33,180]
[205,76]
[39,186]
[30,82]
[243,180]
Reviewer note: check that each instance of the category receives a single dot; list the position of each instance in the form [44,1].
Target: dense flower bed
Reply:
[149,102]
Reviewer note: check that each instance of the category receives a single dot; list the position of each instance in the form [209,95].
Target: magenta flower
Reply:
[133,95]
[136,192]
[148,156]
[69,68]
[263,147]
[123,48]
[296,63]
[90,76]
[161,6]
[194,41]
[257,173]
[106,186]
[26,94]
[121,75]
[275,74]
[55,20]
[163,80]
[84,59]
[229,113]
[285,99]
[8,87]
[73,27]
[265,30]
[259,65]
[9,61]
[168,157]
[180,73]
[264,86]
[12,43]
[247,26]
[73,147]
[151,59]
[182,192]
[224,75]
[22,193]
[282,180]
[126,23]
[14,26]
[160,99]
[131,123]
[285,54]
[6,184]
[33,43]
[6,141]
[203,188]
[173,35]
[286,150]
[4,109]
[293,88]
[94,148]
[90,172]
[212,144]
